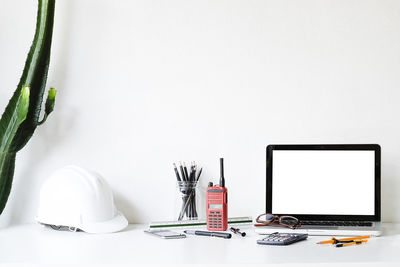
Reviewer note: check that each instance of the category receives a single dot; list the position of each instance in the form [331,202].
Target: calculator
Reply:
[281,239]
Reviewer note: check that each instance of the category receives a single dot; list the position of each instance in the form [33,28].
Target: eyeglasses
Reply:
[285,221]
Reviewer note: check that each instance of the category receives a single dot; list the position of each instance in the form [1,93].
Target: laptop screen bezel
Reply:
[345,147]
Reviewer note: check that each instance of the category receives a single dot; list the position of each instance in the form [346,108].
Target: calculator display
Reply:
[215,206]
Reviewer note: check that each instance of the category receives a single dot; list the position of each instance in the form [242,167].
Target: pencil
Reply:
[194,173]
[355,242]
[182,172]
[186,172]
[177,173]
[332,240]
[198,175]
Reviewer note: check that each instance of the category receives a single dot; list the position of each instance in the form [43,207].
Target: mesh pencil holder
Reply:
[190,198]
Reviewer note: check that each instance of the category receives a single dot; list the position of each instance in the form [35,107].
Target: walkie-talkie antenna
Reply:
[221,179]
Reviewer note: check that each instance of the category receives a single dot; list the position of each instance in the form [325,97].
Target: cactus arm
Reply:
[35,72]
[18,124]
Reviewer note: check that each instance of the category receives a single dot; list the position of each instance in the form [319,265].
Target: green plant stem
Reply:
[19,122]
[35,72]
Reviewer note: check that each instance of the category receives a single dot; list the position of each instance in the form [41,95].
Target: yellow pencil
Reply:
[334,240]
[355,242]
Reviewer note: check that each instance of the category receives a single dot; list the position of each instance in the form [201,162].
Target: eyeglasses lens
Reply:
[291,221]
[267,218]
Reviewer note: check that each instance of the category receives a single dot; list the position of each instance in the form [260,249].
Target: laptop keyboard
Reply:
[337,223]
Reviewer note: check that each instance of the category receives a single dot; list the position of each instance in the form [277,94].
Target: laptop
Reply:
[331,189]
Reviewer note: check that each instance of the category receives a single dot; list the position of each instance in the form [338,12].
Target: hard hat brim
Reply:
[118,223]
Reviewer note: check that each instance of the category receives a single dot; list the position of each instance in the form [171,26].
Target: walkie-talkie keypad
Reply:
[215,219]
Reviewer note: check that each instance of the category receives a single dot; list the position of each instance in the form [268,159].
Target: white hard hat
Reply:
[79,198]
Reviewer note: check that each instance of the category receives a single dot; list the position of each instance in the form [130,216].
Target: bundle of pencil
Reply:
[187,186]
[344,242]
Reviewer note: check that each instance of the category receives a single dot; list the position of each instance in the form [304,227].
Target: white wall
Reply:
[143,84]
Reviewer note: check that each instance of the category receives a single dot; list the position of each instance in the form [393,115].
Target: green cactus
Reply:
[21,116]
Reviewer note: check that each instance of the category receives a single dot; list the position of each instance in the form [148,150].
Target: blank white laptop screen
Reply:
[323,182]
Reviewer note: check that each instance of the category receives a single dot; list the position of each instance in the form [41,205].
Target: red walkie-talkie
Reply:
[217,204]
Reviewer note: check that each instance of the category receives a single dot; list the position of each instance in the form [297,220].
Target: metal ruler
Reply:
[194,223]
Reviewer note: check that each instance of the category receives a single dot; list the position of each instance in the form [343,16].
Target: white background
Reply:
[323,182]
[142,84]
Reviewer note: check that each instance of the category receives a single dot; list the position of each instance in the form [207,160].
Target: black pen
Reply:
[206,233]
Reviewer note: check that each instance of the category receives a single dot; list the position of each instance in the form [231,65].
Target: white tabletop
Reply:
[36,245]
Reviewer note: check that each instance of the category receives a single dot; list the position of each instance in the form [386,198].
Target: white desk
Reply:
[28,245]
